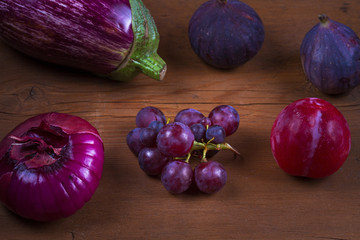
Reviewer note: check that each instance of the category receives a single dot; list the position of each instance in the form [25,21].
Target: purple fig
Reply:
[330,55]
[226,33]
[111,38]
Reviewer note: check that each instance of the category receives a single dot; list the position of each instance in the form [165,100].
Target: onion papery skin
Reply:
[50,166]
[330,56]
[226,34]
[110,38]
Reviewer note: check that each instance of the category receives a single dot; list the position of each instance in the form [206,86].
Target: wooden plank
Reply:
[259,200]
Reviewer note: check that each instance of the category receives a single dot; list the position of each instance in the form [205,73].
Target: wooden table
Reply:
[259,201]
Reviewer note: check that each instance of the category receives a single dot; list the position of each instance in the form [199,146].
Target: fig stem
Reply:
[323,18]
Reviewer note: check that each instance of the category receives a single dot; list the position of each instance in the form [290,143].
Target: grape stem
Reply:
[212,146]
[188,158]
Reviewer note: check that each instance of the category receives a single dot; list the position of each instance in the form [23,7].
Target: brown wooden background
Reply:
[259,200]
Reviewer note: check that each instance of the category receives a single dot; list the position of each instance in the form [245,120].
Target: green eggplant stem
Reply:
[152,66]
[143,56]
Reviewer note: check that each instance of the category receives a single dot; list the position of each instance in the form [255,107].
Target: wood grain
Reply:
[259,200]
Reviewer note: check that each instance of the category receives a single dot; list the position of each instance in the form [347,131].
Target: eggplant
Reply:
[111,38]
[330,56]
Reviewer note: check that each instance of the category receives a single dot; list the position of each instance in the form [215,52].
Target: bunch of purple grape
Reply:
[165,148]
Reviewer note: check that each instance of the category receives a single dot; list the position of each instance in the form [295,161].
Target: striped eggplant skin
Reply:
[50,166]
[91,35]
[330,56]
[115,39]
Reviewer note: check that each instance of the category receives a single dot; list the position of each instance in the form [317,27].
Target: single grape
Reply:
[175,139]
[148,137]
[310,138]
[148,114]
[156,125]
[133,141]
[210,176]
[151,161]
[225,116]
[199,131]
[189,116]
[217,132]
[206,121]
[177,176]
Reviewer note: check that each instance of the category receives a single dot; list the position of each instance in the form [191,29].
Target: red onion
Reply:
[50,166]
